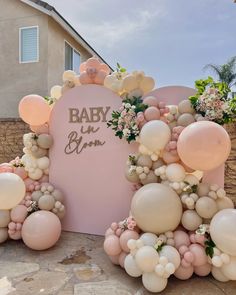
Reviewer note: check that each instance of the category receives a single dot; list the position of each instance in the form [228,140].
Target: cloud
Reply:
[111,33]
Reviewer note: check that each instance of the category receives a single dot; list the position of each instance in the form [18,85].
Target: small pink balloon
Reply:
[114,226]
[41,129]
[141,124]
[19,213]
[185,263]
[115,259]
[11,231]
[105,68]
[151,101]
[82,67]
[173,144]
[12,226]
[203,270]
[34,110]
[85,79]
[44,178]
[109,232]
[29,183]
[93,62]
[15,236]
[184,273]
[169,157]
[18,226]
[118,232]
[6,168]
[152,113]
[122,258]
[20,171]
[183,249]
[181,238]
[100,77]
[41,230]
[140,117]
[125,237]
[192,238]
[204,145]
[188,256]
[200,239]
[112,245]
[199,254]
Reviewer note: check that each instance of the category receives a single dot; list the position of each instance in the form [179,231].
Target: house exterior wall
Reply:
[16,79]
[56,52]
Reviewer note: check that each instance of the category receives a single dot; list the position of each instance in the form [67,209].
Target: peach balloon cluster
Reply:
[116,238]
[93,72]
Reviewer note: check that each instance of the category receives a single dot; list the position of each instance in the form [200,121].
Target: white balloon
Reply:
[153,283]
[155,135]
[218,274]
[171,254]
[191,220]
[229,269]
[12,190]
[175,172]
[149,239]
[68,76]
[131,266]
[56,91]
[147,258]
[43,163]
[36,174]
[223,231]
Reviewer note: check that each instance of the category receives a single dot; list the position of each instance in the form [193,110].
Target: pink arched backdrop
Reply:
[92,178]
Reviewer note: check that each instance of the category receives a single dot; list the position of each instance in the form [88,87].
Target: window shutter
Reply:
[29,44]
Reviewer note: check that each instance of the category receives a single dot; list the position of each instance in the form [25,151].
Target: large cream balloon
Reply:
[223,231]
[155,135]
[203,145]
[12,190]
[229,269]
[147,258]
[131,266]
[156,208]
[153,283]
[172,254]
[218,274]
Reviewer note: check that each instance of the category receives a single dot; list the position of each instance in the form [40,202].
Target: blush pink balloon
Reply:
[85,79]
[15,236]
[152,113]
[34,110]
[6,168]
[184,273]
[99,79]
[183,249]
[12,226]
[151,101]
[185,263]
[169,157]
[20,171]
[199,254]
[181,238]
[122,258]
[93,62]
[204,145]
[115,259]
[19,213]
[105,68]
[125,237]
[109,232]
[188,256]
[203,270]
[112,245]
[41,129]
[41,230]
[44,178]
[82,67]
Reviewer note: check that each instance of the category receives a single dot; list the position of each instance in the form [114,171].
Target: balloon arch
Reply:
[180,222]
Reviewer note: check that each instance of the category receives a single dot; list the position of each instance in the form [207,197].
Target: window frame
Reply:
[20,43]
[73,48]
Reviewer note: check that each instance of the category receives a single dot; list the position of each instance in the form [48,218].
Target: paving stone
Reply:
[101,288]
[15,269]
[43,282]
[87,272]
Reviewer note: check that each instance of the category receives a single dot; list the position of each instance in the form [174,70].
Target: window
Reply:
[29,44]
[72,58]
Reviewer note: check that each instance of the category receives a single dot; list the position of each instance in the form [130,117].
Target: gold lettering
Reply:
[104,114]
[73,115]
[84,116]
[90,129]
[94,114]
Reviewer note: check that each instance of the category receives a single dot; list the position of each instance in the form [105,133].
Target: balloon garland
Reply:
[178,225]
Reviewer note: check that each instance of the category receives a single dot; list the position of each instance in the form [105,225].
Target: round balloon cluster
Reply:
[180,217]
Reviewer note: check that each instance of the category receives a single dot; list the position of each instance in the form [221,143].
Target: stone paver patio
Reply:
[77,265]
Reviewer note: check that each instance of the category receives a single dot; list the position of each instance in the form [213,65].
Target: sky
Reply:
[170,40]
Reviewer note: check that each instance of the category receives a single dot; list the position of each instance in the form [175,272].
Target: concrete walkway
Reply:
[78,265]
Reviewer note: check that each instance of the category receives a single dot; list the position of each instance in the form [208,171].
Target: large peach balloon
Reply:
[12,190]
[203,145]
[156,208]
[223,231]
[41,230]
[34,110]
